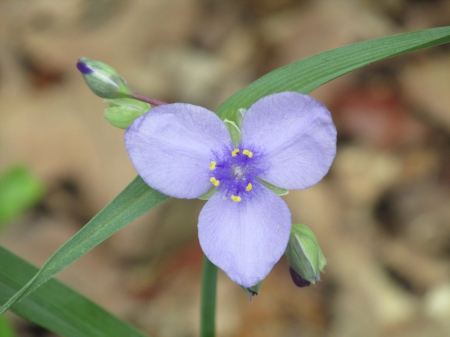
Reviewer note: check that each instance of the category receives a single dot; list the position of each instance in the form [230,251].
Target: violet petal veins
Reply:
[183,150]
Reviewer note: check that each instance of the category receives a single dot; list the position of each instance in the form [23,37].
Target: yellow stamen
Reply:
[214,181]
[248,153]
[235,152]
[249,187]
[235,198]
[212,166]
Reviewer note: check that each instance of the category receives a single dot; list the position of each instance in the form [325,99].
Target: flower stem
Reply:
[149,100]
[208,300]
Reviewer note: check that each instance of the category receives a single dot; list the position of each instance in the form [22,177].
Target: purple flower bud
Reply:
[297,279]
[83,68]
[102,79]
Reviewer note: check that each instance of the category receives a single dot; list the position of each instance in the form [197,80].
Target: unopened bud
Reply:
[297,279]
[304,255]
[102,79]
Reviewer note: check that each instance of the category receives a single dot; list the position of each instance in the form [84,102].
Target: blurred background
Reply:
[382,214]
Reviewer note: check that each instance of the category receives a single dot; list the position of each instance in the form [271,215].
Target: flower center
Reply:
[233,172]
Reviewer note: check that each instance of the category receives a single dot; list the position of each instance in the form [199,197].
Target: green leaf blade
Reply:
[135,200]
[55,306]
[310,73]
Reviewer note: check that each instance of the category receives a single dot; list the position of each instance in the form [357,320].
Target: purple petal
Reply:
[170,147]
[297,279]
[83,68]
[298,136]
[245,239]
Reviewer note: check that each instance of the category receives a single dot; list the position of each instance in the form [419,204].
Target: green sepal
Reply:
[240,113]
[123,111]
[253,290]
[208,194]
[234,123]
[277,190]
[235,131]
[304,254]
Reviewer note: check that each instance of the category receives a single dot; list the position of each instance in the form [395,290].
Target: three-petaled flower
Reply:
[287,140]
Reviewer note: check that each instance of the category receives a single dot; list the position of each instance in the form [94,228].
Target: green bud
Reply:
[102,79]
[304,254]
[123,111]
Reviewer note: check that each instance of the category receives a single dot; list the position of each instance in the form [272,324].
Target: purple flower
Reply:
[297,279]
[287,140]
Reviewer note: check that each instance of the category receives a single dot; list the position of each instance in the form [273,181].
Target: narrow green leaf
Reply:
[136,199]
[310,73]
[55,306]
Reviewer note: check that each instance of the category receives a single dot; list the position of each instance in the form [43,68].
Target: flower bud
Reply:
[123,111]
[304,255]
[297,279]
[102,79]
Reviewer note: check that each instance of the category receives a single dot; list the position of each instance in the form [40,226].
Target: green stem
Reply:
[208,301]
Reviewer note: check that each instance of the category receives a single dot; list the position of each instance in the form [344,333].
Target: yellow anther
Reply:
[249,187]
[235,152]
[214,181]
[212,166]
[235,198]
[248,153]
